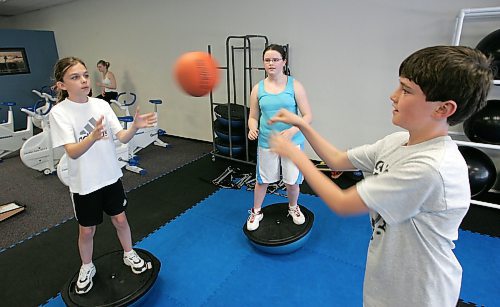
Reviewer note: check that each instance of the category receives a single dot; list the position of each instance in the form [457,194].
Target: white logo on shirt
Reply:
[89,127]
[378,223]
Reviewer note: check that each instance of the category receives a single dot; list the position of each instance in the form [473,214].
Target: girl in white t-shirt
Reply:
[84,126]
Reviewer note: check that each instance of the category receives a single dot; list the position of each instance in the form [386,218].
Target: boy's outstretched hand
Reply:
[144,120]
[288,117]
[281,145]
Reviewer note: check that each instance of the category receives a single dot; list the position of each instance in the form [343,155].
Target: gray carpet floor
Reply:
[48,202]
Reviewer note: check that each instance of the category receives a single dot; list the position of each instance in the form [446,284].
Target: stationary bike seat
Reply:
[156,101]
[8,104]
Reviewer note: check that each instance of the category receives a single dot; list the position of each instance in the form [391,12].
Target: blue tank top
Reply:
[269,104]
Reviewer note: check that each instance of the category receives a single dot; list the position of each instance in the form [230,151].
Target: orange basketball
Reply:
[196,72]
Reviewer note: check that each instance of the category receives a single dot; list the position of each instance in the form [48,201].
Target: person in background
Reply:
[108,82]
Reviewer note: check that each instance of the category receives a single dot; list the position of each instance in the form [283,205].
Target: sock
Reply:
[292,207]
[87,265]
[255,211]
[129,253]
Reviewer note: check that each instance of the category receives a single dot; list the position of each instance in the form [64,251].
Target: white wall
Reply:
[346,53]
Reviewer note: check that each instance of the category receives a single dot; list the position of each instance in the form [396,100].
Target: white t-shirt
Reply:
[418,196]
[71,122]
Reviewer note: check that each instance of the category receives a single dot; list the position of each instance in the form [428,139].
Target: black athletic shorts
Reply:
[89,208]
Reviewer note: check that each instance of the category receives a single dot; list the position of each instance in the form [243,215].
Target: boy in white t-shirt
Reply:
[416,188]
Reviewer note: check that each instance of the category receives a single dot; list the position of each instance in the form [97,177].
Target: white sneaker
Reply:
[135,263]
[84,282]
[297,216]
[254,219]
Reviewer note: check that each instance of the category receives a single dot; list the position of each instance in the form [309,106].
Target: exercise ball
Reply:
[484,126]
[196,72]
[490,46]
[482,171]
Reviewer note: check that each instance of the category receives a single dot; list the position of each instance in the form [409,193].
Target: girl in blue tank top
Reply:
[269,104]
[278,91]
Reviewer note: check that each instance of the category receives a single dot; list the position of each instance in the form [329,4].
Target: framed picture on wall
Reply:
[13,61]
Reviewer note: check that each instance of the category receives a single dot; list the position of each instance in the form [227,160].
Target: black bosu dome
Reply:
[277,234]
[114,282]
[235,111]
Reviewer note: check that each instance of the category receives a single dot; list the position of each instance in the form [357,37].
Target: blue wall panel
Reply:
[41,51]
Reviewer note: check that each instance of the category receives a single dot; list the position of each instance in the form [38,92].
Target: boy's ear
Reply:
[446,109]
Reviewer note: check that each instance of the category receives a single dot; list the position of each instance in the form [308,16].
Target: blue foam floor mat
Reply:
[208,261]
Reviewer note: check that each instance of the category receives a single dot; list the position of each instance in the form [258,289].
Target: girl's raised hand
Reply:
[144,120]
[99,129]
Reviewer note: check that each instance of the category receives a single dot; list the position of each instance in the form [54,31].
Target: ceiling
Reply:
[9,8]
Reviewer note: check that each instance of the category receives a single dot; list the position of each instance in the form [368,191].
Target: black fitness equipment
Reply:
[230,127]
[222,132]
[490,46]
[114,282]
[233,178]
[484,126]
[233,116]
[277,234]
[482,171]
[474,128]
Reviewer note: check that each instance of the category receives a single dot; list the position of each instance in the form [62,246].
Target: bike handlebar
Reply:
[125,104]
[38,105]
[44,95]
[37,93]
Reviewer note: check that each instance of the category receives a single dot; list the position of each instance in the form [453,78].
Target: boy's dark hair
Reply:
[60,69]
[457,73]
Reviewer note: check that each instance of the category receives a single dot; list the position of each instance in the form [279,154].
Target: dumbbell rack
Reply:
[462,16]
[243,43]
